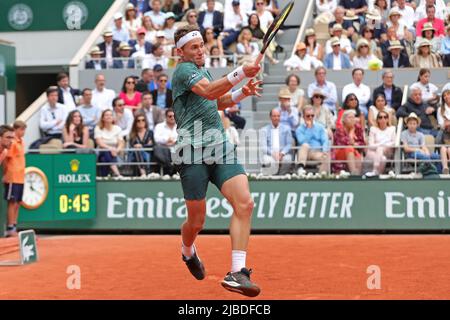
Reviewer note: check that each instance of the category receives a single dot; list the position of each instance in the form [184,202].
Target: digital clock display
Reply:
[79,203]
[75,203]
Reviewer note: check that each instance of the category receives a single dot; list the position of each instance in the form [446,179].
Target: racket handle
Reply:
[259,58]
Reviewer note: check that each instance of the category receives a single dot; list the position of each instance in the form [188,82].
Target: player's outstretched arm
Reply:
[216,89]
[251,88]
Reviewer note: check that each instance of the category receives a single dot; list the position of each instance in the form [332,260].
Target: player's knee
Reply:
[246,207]
[197,224]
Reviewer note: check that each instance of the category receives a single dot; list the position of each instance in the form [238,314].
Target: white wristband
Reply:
[236,76]
[237,96]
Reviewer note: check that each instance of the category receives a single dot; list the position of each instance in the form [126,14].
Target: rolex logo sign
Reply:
[74,165]
[74,176]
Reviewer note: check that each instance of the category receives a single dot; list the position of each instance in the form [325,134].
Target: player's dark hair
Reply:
[5,128]
[61,76]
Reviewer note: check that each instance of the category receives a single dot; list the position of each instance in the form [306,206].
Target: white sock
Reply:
[187,251]
[237,260]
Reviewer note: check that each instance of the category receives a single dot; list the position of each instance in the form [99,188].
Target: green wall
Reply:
[8,65]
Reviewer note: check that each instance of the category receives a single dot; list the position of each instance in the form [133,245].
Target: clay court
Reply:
[286,267]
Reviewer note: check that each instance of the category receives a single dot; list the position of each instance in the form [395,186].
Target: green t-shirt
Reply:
[197,118]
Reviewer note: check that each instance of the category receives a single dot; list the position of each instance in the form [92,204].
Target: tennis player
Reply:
[205,155]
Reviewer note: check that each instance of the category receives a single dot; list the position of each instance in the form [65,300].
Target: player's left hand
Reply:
[252,88]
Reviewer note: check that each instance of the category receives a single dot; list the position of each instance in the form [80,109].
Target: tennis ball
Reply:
[375,64]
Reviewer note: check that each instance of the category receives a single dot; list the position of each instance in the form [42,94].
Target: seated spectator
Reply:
[215,59]
[75,133]
[124,61]
[382,7]
[109,47]
[313,48]
[264,15]
[181,8]
[381,143]
[391,37]
[345,44]
[153,113]
[129,94]
[275,145]
[398,24]
[167,6]
[140,47]
[407,14]
[439,6]
[210,41]
[325,8]
[169,28]
[210,18]
[156,57]
[101,96]
[246,47]
[368,35]
[396,57]
[52,115]
[160,39]
[141,137]
[351,135]
[416,105]
[162,96]
[328,88]
[218,6]
[146,79]
[348,25]
[359,89]
[230,131]
[150,32]
[142,6]
[233,21]
[96,61]
[301,61]
[132,21]
[337,60]
[157,71]
[165,137]
[313,140]
[66,94]
[413,141]
[438,24]
[351,102]
[429,90]
[322,114]
[255,27]
[109,137]
[379,105]
[297,95]
[90,113]
[247,6]
[190,18]
[288,114]
[445,48]
[119,31]
[443,112]
[443,117]
[158,17]
[272,7]
[376,24]
[392,93]
[233,113]
[363,55]
[357,7]
[122,117]
[428,33]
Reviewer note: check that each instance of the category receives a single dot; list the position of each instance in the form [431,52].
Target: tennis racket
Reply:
[273,29]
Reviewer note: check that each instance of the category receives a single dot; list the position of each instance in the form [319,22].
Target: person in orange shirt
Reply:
[14,177]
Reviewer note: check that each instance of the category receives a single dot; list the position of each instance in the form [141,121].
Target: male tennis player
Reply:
[207,156]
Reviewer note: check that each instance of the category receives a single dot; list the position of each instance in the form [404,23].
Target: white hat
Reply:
[118,15]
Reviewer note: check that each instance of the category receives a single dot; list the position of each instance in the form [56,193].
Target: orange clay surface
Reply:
[285,267]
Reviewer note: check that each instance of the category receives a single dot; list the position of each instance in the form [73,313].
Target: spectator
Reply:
[428,33]
[167,6]
[288,115]
[119,31]
[163,96]
[392,93]
[156,57]
[359,89]
[141,6]
[424,58]
[125,62]
[101,96]
[52,115]
[230,131]
[407,14]
[158,17]
[443,117]
[132,22]
[265,17]
[150,32]
[301,61]
[380,104]
[108,136]
[247,6]
[396,58]
[210,18]
[215,59]
[413,141]
[129,94]
[323,115]
[169,28]
[445,48]
[66,95]
[6,140]
[391,36]
[233,114]
[351,135]
[233,21]
[14,173]
[191,18]
[443,112]
[140,47]
[165,137]
[153,113]
[313,48]
[109,47]
[326,8]
[146,79]
[437,23]
[382,8]
[337,60]
[89,113]
[351,102]
[313,141]
[429,90]
[358,7]
[376,24]
[328,88]
[363,55]
[210,41]
[141,137]
[218,6]
[122,117]
[354,19]
[157,70]
[416,105]
[75,133]
[297,95]
[440,9]
[398,24]
[381,144]
[160,39]
[346,46]
[245,47]
[255,27]
[96,61]
[348,25]
[181,7]
[275,145]
[272,7]
[367,34]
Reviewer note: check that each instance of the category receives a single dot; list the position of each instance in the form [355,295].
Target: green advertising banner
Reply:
[279,205]
[8,64]
[40,15]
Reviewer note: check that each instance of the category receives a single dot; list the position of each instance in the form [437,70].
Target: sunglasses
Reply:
[163,80]
[308,116]
[193,16]
[140,120]
[382,117]
[120,105]
[317,97]
[260,3]
[170,116]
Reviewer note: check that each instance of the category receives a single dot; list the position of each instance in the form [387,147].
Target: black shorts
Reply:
[13,192]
